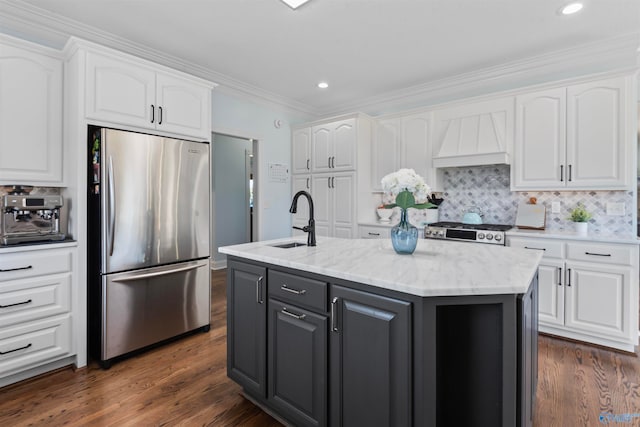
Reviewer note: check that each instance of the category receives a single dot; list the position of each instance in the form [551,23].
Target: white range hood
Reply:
[474,134]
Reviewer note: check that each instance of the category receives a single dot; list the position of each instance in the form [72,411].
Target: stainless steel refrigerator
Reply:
[148,233]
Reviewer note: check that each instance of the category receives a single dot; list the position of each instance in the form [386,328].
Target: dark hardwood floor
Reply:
[185,383]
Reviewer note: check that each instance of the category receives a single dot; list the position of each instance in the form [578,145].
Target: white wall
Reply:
[240,117]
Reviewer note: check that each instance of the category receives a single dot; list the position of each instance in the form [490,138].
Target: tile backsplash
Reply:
[487,187]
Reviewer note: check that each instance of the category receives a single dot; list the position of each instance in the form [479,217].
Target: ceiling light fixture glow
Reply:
[571,8]
[323,85]
[294,4]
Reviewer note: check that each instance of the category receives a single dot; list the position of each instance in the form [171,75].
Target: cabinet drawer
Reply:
[374,232]
[28,344]
[31,299]
[299,290]
[550,248]
[604,253]
[19,265]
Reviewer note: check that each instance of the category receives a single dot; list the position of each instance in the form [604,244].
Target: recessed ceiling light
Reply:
[323,85]
[571,8]
[294,4]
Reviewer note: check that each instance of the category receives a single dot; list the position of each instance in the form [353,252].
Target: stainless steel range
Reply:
[480,233]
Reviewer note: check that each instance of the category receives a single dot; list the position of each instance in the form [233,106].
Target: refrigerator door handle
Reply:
[156,273]
[112,206]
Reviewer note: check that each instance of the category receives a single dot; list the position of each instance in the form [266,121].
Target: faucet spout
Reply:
[311,228]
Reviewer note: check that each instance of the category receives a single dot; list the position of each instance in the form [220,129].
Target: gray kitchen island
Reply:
[349,333]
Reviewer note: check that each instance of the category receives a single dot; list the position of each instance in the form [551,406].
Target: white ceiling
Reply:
[362,48]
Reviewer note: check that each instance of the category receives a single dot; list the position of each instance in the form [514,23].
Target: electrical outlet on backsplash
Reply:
[488,187]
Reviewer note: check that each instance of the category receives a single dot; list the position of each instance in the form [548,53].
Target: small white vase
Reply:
[582,228]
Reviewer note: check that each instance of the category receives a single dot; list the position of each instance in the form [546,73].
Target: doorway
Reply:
[233,190]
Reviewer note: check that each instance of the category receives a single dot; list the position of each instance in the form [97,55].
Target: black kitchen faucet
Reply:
[311,228]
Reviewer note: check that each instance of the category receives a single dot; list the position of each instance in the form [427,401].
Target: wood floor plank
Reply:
[184,383]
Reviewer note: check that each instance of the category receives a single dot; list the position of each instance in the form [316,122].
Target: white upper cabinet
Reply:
[334,146]
[301,148]
[474,134]
[402,142]
[573,138]
[30,115]
[124,90]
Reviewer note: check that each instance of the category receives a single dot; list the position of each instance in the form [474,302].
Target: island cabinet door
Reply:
[527,354]
[370,359]
[297,351]
[246,326]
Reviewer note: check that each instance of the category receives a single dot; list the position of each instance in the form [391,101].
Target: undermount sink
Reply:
[289,245]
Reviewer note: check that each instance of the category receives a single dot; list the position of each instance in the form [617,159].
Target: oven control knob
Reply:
[427,232]
[489,236]
[480,235]
[440,233]
[498,237]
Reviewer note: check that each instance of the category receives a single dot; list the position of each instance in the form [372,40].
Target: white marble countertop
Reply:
[436,268]
[572,235]
[37,246]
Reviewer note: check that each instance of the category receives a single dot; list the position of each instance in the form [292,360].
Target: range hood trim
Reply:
[498,158]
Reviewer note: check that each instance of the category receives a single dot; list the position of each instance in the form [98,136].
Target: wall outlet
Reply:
[615,209]
[555,207]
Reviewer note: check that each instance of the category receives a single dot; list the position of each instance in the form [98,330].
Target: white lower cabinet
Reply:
[35,311]
[587,291]
[374,232]
[335,204]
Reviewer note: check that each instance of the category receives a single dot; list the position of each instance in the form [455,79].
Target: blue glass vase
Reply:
[404,236]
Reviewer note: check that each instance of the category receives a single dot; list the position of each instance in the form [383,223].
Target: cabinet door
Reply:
[246,323]
[323,203]
[385,155]
[301,218]
[539,149]
[551,292]
[370,348]
[322,148]
[528,355]
[30,117]
[298,363]
[301,148]
[597,154]
[344,145]
[183,107]
[416,146]
[598,299]
[120,91]
[343,206]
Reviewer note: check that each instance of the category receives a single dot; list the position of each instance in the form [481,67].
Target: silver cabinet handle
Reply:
[559,276]
[569,178]
[568,277]
[15,349]
[259,299]
[596,254]
[295,316]
[334,326]
[153,113]
[17,303]
[15,269]
[112,205]
[538,249]
[284,287]
[561,173]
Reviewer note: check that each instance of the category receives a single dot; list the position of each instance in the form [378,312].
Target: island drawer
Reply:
[298,290]
[602,253]
[550,248]
[19,265]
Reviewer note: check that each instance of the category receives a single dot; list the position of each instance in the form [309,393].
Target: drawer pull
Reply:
[290,314]
[596,254]
[15,269]
[373,234]
[259,299]
[334,325]
[284,287]
[15,349]
[18,303]
[538,249]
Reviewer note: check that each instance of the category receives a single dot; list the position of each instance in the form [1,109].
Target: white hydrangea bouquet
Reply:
[406,189]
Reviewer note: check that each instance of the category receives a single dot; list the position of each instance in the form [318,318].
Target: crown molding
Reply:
[43,27]
[613,54]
